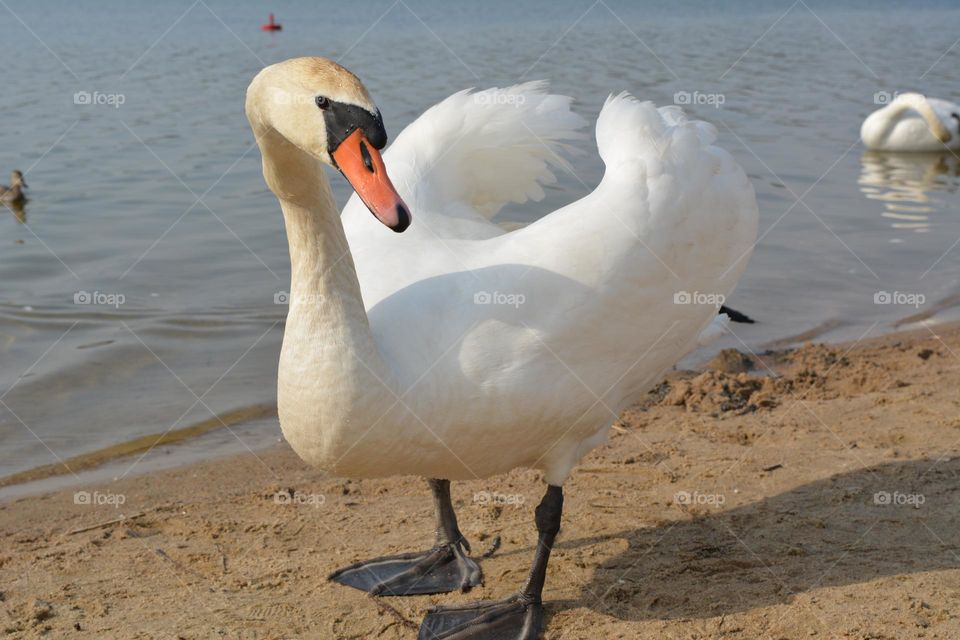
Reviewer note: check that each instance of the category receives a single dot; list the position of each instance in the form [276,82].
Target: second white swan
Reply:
[913,122]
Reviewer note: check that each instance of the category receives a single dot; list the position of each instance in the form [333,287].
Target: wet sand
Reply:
[820,502]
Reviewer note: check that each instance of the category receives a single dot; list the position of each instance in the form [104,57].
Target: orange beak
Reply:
[361,164]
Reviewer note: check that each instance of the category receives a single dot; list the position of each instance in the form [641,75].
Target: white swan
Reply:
[913,122]
[472,351]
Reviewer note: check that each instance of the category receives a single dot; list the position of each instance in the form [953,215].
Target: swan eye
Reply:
[323,102]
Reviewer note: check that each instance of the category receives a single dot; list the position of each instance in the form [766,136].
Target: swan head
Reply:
[16,179]
[325,111]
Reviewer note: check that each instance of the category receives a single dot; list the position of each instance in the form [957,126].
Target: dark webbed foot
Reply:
[442,569]
[514,618]
[519,617]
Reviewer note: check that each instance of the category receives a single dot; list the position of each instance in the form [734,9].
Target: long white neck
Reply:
[887,118]
[330,366]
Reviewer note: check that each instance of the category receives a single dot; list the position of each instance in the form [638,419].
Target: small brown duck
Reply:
[14,193]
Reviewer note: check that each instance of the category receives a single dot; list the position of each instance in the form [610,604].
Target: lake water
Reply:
[137,287]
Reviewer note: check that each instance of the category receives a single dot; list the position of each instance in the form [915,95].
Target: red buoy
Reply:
[271,26]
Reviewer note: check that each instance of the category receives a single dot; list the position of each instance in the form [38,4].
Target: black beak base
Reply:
[342,119]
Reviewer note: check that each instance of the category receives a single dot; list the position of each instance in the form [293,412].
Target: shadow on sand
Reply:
[886,520]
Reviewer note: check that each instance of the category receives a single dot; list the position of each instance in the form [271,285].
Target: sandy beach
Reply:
[818,502]
[199,209]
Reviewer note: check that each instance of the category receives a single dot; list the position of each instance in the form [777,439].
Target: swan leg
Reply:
[519,617]
[444,568]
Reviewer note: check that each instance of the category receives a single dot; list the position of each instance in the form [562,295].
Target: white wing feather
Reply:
[460,162]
